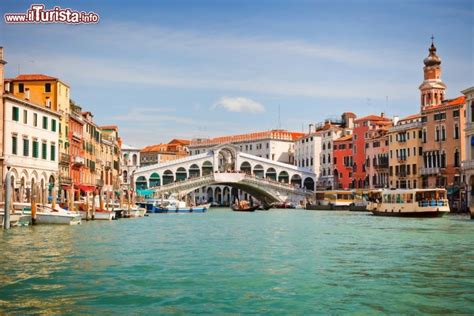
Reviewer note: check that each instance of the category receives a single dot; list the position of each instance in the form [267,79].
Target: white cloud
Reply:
[239,104]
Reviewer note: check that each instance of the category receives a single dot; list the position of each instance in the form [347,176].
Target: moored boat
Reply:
[45,214]
[410,203]
[244,206]
[332,200]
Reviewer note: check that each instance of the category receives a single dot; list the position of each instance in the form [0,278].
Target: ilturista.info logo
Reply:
[38,14]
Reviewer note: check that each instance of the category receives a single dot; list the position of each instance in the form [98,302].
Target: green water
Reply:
[277,262]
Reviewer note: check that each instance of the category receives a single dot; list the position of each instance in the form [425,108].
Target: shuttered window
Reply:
[35,149]
[44,150]
[14,145]
[16,114]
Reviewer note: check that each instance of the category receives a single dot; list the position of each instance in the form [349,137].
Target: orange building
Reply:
[343,162]
[153,154]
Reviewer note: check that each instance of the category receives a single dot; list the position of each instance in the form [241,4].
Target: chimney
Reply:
[311,129]
[382,114]
[395,120]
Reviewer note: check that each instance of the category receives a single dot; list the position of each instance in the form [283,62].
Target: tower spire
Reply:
[432,89]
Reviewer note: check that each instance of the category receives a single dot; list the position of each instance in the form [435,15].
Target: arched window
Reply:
[456,158]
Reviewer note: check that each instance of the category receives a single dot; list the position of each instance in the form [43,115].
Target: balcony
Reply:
[99,183]
[468,165]
[108,165]
[65,159]
[79,161]
[469,127]
[432,171]
[77,136]
[402,158]
[381,166]
[65,180]
[404,127]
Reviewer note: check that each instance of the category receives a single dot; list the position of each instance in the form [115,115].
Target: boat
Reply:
[410,203]
[471,210]
[284,205]
[244,206]
[16,219]
[332,200]
[360,201]
[45,214]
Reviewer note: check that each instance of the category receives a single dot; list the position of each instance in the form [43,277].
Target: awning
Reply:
[86,188]
[145,192]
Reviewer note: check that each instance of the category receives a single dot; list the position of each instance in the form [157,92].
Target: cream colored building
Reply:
[468,163]
[406,153]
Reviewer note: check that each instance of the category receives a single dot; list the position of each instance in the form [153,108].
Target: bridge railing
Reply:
[287,186]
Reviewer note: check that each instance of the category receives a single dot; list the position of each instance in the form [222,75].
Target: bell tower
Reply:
[433,88]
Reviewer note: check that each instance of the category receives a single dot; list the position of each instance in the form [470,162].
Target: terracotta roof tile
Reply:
[30,77]
[344,138]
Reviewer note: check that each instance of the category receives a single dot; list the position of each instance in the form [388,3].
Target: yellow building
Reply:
[110,156]
[53,94]
[91,149]
[406,153]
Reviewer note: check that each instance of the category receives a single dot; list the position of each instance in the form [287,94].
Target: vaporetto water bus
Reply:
[409,203]
[332,200]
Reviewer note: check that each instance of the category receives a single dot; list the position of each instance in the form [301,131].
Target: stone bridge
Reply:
[226,165]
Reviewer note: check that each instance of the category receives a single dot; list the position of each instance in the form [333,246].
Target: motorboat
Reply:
[46,214]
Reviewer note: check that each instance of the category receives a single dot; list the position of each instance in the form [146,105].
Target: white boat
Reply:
[45,214]
[409,203]
[104,215]
[16,219]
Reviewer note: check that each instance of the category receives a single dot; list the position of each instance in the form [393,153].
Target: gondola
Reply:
[235,208]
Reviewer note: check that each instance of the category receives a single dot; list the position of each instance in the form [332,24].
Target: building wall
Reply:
[377,160]
[468,163]
[439,172]
[307,152]
[406,159]
[29,168]
[343,164]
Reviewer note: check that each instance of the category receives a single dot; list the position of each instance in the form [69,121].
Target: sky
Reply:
[193,69]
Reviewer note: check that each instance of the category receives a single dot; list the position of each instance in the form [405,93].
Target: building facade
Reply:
[377,158]
[110,156]
[362,127]
[129,163]
[30,147]
[307,150]
[53,94]
[153,154]
[406,153]
[343,162]
[76,149]
[468,162]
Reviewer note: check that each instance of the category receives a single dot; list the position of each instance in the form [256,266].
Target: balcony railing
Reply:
[381,166]
[402,158]
[65,158]
[470,126]
[77,136]
[65,180]
[79,161]
[432,171]
[468,165]
[403,127]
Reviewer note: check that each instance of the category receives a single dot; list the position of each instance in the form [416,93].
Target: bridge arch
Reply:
[227,158]
[168,177]
[181,174]
[246,167]
[154,180]
[284,177]
[258,171]
[271,174]
[296,180]
[309,183]
[141,183]
[218,195]
[207,168]
[194,171]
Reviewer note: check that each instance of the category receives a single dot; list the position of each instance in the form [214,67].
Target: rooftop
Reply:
[344,138]
[31,77]
[272,134]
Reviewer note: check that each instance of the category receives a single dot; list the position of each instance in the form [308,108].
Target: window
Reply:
[35,148]
[14,144]
[35,119]
[414,169]
[53,152]
[16,114]
[443,133]
[25,117]
[47,87]
[440,116]
[456,131]
[44,150]
[21,88]
[456,113]
[26,147]
[45,122]
[53,125]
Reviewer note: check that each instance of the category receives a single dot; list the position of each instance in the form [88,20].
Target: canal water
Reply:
[276,262]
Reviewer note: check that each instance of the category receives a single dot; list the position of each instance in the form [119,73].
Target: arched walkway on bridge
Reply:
[284,177]
[168,177]
[309,184]
[181,174]
[194,171]
[227,157]
[246,167]
[271,174]
[296,180]
[259,172]
[207,168]
[155,180]
[141,183]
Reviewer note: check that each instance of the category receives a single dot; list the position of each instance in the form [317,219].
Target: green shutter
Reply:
[53,125]
[26,147]
[45,122]
[35,149]
[14,145]
[16,114]
[53,152]
[44,150]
